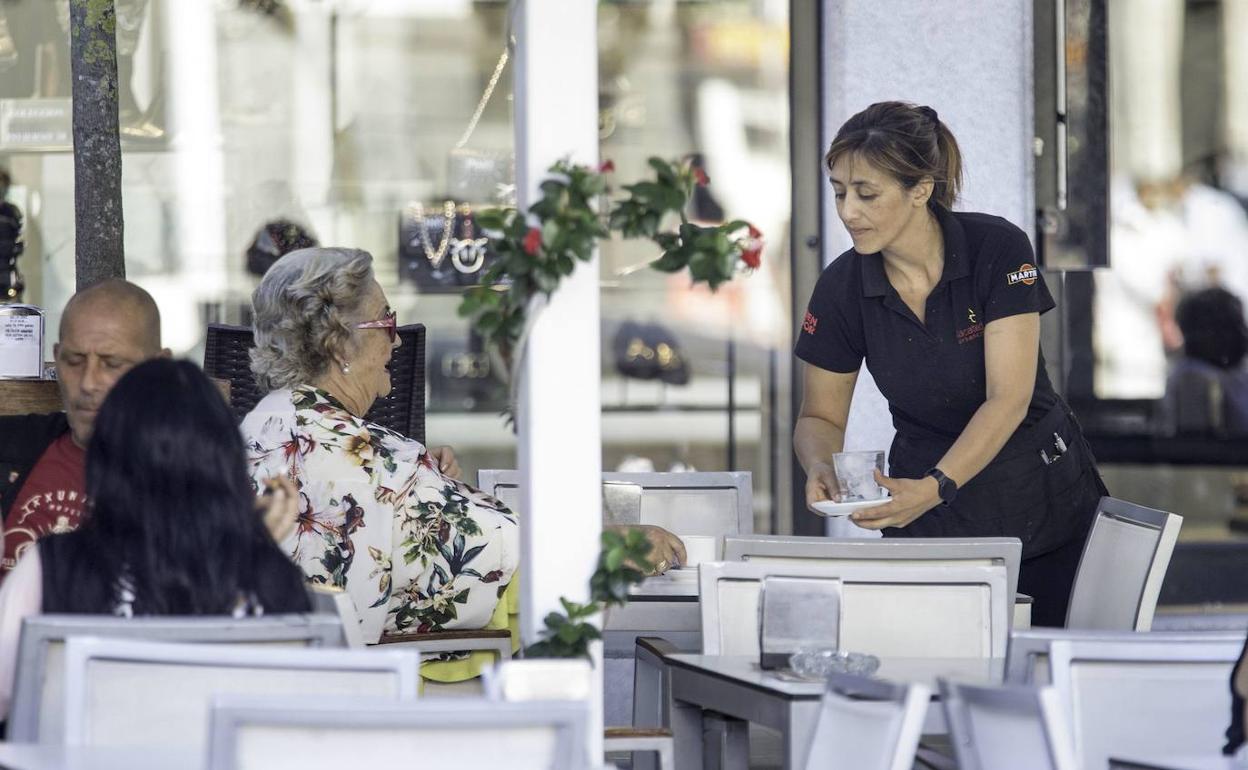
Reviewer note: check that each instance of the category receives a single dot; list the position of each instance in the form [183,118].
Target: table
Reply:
[35,756]
[734,686]
[1177,762]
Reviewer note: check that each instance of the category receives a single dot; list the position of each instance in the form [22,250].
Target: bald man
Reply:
[105,330]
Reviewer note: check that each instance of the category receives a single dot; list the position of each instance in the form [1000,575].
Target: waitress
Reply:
[944,307]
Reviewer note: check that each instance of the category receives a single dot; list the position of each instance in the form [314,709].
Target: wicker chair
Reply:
[226,356]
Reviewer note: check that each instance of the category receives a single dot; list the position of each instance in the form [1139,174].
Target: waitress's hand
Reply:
[911,499]
[820,483]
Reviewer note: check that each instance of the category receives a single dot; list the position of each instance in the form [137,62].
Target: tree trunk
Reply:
[99,251]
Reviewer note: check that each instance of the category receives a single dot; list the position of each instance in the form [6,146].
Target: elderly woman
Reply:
[415,548]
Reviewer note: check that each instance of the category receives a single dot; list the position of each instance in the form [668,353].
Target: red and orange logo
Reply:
[810,323]
[1026,274]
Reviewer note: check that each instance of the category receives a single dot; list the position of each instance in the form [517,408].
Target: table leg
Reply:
[686,723]
[801,718]
[727,744]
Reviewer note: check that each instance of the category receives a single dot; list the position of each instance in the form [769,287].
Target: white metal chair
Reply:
[867,724]
[467,734]
[121,692]
[1144,697]
[1122,568]
[699,507]
[905,611]
[931,551]
[1007,728]
[1027,659]
[934,551]
[38,711]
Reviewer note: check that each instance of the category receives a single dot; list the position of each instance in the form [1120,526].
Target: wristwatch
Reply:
[947,487]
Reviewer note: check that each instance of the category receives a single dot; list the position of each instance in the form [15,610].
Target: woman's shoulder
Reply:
[277,404]
[980,227]
[847,265]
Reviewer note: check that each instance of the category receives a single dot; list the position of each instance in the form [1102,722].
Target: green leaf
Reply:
[670,262]
[615,558]
[490,219]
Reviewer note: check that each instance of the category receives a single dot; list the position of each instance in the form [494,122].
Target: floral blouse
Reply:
[416,550]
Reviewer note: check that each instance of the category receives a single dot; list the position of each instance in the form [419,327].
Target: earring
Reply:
[346,368]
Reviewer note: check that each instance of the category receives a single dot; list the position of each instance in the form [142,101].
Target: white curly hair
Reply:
[302,311]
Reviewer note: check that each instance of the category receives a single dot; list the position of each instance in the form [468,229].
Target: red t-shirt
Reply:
[51,500]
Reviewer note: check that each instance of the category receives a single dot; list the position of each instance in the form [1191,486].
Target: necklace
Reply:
[435,256]
[467,246]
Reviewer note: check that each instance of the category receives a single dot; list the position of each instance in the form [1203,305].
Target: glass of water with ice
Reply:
[855,475]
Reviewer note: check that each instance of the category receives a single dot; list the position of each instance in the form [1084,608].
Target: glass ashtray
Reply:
[816,665]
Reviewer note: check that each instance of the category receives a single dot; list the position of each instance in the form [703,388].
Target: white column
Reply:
[312,122]
[196,144]
[1146,112]
[556,86]
[1234,33]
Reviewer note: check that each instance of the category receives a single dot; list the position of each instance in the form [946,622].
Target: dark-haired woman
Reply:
[172,527]
[944,307]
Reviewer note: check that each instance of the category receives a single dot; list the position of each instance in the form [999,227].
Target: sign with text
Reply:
[45,124]
[21,342]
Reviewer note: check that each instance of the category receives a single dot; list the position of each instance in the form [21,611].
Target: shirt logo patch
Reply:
[1026,274]
[809,324]
[970,315]
[970,333]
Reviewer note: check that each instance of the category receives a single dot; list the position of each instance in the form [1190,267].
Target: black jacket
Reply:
[23,440]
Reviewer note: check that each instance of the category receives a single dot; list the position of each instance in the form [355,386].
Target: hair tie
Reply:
[930,114]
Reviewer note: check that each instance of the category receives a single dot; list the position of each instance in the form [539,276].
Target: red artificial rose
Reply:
[532,241]
[753,257]
[607,167]
[700,177]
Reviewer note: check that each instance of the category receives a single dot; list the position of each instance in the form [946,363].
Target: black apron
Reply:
[1045,500]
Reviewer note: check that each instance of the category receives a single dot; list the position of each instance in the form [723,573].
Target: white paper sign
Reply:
[21,349]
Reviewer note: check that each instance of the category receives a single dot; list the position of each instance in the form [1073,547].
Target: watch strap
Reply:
[947,487]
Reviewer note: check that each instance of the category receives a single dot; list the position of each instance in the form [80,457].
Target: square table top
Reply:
[744,670]
[43,756]
[1178,762]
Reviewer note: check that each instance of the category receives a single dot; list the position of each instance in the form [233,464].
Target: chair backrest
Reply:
[1123,565]
[338,603]
[464,733]
[933,551]
[867,724]
[696,505]
[1027,659]
[38,711]
[921,611]
[1022,728]
[122,692]
[1144,697]
[227,356]
[29,397]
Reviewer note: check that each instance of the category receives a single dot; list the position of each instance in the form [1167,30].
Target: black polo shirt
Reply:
[932,374]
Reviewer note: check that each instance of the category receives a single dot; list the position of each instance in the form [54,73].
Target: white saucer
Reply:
[829,508]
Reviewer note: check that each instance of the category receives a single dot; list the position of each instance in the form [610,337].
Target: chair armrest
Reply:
[433,642]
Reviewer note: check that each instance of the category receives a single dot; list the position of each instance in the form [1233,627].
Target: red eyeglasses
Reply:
[387,322]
